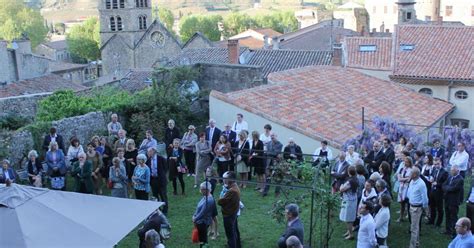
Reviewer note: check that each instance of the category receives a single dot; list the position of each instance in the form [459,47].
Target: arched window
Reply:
[137,3]
[114,4]
[122,4]
[107,4]
[119,23]
[426,91]
[113,27]
[142,22]
[461,94]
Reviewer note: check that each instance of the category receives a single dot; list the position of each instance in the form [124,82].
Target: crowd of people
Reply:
[368,183]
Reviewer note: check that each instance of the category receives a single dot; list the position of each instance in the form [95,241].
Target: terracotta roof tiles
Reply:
[380,59]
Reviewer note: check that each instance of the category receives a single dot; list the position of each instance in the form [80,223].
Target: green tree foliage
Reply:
[84,40]
[16,19]
[165,16]
[208,25]
[237,22]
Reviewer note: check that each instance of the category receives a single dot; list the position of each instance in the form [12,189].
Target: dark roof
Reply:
[213,55]
[58,66]
[48,83]
[198,35]
[136,80]
[57,45]
[267,32]
[280,60]
[439,52]
[319,102]
[379,59]
[317,39]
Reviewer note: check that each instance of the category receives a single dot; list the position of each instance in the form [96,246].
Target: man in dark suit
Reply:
[388,152]
[339,172]
[375,158]
[292,151]
[437,151]
[295,226]
[158,181]
[452,189]
[53,135]
[212,135]
[156,221]
[438,176]
[231,135]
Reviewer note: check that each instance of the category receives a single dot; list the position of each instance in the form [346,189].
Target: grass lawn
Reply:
[258,229]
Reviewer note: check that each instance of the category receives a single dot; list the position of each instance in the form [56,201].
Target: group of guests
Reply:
[367,183]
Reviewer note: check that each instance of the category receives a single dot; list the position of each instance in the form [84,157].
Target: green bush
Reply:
[13,122]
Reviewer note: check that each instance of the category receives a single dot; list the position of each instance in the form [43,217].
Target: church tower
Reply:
[406,11]
[126,18]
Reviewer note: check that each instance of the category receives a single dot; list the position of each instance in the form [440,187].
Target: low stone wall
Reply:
[19,143]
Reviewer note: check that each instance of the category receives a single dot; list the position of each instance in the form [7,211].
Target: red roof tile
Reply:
[324,102]
[440,52]
[379,59]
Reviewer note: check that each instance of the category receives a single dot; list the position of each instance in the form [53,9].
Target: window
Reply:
[407,47]
[408,15]
[472,10]
[122,4]
[107,4]
[114,4]
[141,3]
[461,94]
[142,22]
[385,9]
[367,48]
[449,10]
[460,123]
[426,91]
[119,23]
[113,27]
[374,9]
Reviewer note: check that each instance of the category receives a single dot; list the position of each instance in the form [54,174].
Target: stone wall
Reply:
[227,78]
[25,106]
[84,127]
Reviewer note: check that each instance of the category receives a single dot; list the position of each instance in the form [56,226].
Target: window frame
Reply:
[367,48]
[113,24]
[115,4]
[426,91]
[462,123]
[119,23]
[464,94]
[108,4]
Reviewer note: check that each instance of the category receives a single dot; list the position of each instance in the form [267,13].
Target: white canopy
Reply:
[37,217]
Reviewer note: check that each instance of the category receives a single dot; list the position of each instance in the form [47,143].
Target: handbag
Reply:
[57,182]
[110,184]
[195,235]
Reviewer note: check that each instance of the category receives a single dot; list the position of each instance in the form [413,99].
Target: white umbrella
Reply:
[37,217]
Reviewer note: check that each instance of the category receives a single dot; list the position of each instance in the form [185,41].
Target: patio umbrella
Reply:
[37,217]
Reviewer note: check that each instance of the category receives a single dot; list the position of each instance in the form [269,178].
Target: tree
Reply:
[83,41]
[282,21]
[235,23]
[165,16]
[17,20]
[208,25]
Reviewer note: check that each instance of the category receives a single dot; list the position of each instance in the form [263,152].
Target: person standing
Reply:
[230,204]
[464,238]
[158,182]
[273,153]
[351,155]
[349,201]
[231,135]
[437,151]
[205,211]
[240,124]
[294,227]
[122,140]
[460,158]
[438,176]
[375,157]
[148,142]
[366,236]
[176,167]
[96,160]
[212,134]
[339,172]
[418,199]
[256,160]
[171,133]
[242,152]
[203,151]
[118,178]
[53,136]
[470,205]
[141,178]
[452,189]
[82,172]
[382,219]
[388,152]
[188,144]
[113,127]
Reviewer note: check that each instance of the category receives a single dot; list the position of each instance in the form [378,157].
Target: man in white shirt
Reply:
[418,199]
[366,236]
[322,155]
[382,218]
[460,158]
[351,155]
[114,126]
[240,124]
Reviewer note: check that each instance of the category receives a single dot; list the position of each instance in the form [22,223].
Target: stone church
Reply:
[131,39]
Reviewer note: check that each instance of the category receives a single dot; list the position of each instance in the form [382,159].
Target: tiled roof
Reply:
[57,45]
[136,80]
[439,52]
[58,66]
[267,32]
[198,35]
[324,102]
[48,83]
[251,42]
[280,60]
[379,59]
[316,39]
[213,55]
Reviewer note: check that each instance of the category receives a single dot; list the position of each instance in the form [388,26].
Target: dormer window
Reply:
[367,48]
[407,47]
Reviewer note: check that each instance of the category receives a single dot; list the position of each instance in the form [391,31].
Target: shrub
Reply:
[13,122]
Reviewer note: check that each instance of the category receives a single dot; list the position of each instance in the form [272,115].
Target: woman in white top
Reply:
[351,155]
[382,218]
[265,137]
[404,179]
[368,193]
[74,150]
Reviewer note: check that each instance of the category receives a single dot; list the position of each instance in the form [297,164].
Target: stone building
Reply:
[55,50]
[355,17]
[131,39]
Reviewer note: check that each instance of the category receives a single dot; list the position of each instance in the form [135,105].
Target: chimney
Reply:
[387,30]
[337,55]
[276,43]
[266,42]
[233,51]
